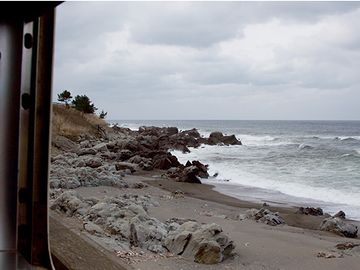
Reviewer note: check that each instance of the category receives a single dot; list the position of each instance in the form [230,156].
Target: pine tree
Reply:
[83,103]
[65,97]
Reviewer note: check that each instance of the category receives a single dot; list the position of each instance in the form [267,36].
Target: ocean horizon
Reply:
[286,162]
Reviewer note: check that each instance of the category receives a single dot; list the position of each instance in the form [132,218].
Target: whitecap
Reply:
[350,138]
[305,146]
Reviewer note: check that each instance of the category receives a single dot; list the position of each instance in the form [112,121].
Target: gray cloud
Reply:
[249,60]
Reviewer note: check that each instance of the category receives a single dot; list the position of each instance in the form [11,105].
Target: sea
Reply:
[289,163]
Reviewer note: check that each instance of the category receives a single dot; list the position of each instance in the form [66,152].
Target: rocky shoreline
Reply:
[123,221]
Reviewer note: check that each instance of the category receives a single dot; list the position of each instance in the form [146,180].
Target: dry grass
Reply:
[71,123]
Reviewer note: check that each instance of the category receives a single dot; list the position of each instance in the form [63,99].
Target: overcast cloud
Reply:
[212,60]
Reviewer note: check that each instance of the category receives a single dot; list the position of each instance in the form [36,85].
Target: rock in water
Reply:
[202,169]
[190,175]
[217,138]
[338,226]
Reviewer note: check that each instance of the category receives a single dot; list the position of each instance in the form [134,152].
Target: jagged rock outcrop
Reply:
[148,148]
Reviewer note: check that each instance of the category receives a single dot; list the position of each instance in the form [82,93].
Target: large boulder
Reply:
[165,161]
[190,175]
[339,226]
[205,244]
[101,147]
[86,151]
[65,144]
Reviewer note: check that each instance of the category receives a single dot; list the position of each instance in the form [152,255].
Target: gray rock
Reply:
[203,243]
[133,239]
[272,219]
[70,203]
[93,228]
[125,217]
[339,226]
[65,144]
[67,174]
[150,232]
[355,251]
[177,241]
[93,162]
[264,216]
[125,165]
[101,147]
[209,252]
[86,151]
[85,144]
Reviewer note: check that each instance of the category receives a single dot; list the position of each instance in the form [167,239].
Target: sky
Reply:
[212,60]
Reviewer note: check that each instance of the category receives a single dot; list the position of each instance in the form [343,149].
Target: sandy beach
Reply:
[258,246]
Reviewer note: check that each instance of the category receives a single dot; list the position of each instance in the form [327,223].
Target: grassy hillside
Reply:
[72,123]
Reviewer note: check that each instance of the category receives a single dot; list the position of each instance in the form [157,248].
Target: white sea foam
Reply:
[305,146]
[344,138]
[254,140]
[222,160]
[132,126]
